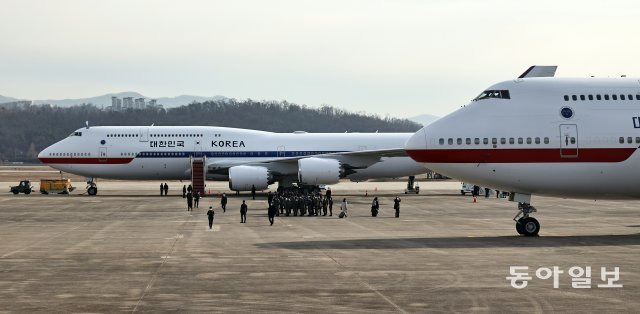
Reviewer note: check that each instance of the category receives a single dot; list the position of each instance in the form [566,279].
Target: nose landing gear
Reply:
[92,187]
[525,224]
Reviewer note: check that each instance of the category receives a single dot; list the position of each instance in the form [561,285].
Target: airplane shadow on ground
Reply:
[461,242]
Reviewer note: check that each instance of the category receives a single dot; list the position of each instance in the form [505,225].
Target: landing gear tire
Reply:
[92,190]
[27,192]
[530,226]
[519,226]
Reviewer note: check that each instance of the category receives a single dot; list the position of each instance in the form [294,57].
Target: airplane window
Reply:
[476,141]
[528,140]
[441,141]
[606,96]
[502,94]
[566,97]
[512,140]
[581,97]
[494,141]
[629,140]
[622,97]
[450,141]
[638,97]
[468,141]
[537,140]
[459,141]
[485,141]
[590,97]
[630,98]
[637,140]
[503,141]
[573,140]
[599,97]
[614,97]
[574,97]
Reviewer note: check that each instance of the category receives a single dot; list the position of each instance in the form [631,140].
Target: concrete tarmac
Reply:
[129,250]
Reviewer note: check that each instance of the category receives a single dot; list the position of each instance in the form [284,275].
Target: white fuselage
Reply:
[548,136]
[165,152]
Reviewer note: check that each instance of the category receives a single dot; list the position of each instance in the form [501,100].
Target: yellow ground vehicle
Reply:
[60,186]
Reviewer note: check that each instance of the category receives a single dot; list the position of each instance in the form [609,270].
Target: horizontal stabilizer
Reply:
[540,71]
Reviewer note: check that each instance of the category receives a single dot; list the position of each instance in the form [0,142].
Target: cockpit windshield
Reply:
[503,94]
[75,134]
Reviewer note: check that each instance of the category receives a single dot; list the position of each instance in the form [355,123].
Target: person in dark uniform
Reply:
[325,204]
[486,192]
[328,193]
[476,190]
[189,189]
[161,189]
[396,206]
[253,192]
[330,206]
[196,199]
[184,191]
[243,212]
[269,198]
[497,194]
[223,202]
[272,213]
[210,215]
[189,201]
[375,206]
[166,188]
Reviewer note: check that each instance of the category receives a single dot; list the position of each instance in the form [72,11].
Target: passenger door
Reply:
[281,151]
[103,155]
[144,134]
[568,141]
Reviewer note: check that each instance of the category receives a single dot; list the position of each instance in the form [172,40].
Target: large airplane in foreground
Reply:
[246,158]
[537,134]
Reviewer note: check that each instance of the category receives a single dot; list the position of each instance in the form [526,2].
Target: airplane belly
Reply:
[584,180]
[137,169]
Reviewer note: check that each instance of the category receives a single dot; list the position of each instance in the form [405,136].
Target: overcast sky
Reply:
[400,58]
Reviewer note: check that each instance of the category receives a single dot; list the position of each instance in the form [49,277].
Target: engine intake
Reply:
[242,178]
[314,171]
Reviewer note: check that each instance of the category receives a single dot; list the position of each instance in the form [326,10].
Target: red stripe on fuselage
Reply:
[86,161]
[530,155]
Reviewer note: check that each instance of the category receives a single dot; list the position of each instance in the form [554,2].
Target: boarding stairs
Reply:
[198,175]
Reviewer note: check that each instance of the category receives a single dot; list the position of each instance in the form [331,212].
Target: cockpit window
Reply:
[75,134]
[502,94]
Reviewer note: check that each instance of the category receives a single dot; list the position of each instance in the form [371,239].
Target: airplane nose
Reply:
[416,145]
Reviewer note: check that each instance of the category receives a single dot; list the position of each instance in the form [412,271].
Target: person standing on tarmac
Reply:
[166,189]
[396,206]
[189,202]
[184,191]
[375,206]
[486,192]
[223,202]
[189,189]
[325,203]
[210,215]
[243,212]
[330,206]
[196,199]
[161,189]
[272,213]
[343,209]
[269,198]
[253,192]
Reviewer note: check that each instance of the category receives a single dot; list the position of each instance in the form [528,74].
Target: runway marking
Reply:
[155,273]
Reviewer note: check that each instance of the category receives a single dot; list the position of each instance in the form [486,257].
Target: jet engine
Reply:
[314,171]
[242,178]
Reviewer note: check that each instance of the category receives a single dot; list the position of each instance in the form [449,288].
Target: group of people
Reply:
[296,202]
[193,199]
[164,189]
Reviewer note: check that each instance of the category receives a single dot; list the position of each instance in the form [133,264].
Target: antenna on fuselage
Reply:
[152,124]
[86,123]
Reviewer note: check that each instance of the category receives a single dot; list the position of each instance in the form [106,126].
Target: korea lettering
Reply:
[580,276]
[166,143]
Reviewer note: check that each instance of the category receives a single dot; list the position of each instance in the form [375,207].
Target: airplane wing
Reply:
[353,159]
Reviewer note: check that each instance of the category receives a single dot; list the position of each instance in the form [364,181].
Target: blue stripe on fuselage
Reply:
[230,154]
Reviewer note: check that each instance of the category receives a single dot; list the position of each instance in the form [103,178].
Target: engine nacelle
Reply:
[314,171]
[242,178]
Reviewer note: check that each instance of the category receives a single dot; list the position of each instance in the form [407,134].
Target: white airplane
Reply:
[247,158]
[565,137]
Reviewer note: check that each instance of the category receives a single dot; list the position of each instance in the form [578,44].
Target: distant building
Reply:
[127,103]
[139,104]
[152,102]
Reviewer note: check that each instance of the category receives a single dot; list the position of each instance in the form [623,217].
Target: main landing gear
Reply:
[92,187]
[525,224]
